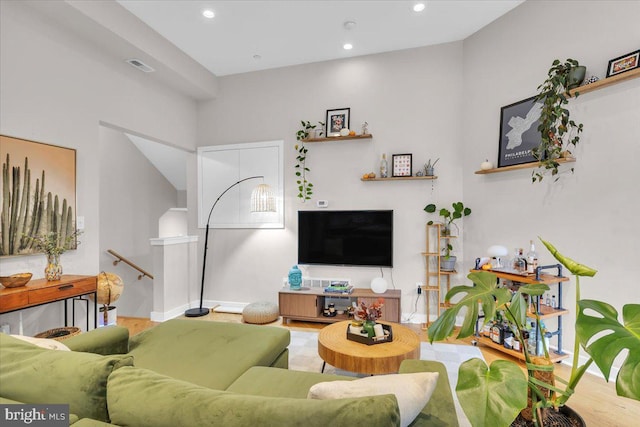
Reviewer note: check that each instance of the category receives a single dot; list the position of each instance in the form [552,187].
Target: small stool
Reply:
[260,312]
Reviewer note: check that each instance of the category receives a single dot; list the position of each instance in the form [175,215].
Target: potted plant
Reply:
[496,395]
[448,261]
[305,188]
[53,244]
[558,131]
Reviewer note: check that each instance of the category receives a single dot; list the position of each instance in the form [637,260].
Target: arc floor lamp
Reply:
[262,200]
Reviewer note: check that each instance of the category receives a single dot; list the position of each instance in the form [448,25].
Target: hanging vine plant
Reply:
[558,131]
[305,188]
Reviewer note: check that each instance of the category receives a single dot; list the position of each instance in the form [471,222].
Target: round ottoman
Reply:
[260,312]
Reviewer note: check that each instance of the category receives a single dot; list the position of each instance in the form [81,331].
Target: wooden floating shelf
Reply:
[338,138]
[400,178]
[521,166]
[618,78]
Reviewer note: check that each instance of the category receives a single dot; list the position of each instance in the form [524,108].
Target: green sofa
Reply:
[188,372]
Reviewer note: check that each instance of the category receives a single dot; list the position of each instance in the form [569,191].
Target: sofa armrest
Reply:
[105,341]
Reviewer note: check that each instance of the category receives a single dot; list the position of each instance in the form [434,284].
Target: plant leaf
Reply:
[485,291]
[491,396]
[430,208]
[571,265]
[604,349]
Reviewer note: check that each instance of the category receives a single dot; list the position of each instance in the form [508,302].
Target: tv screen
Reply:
[356,238]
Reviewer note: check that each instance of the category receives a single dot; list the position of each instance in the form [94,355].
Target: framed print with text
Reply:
[519,133]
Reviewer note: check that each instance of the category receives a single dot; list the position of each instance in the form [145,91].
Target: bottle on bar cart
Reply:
[532,258]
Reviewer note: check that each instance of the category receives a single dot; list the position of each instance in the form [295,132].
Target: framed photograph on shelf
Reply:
[401,165]
[519,132]
[337,120]
[623,63]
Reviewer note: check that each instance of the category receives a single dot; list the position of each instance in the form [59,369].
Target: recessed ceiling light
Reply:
[347,46]
[418,7]
[208,13]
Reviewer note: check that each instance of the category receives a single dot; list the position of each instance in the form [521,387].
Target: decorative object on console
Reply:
[401,165]
[262,200]
[623,63]
[53,244]
[295,278]
[110,287]
[15,280]
[337,120]
[379,285]
[26,208]
[556,126]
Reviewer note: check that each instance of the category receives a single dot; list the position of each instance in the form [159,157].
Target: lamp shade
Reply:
[497,251]
[263,199]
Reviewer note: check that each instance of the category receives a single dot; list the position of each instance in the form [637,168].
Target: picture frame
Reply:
[337,119]
[46,189]
[519,133]
[624,63]
[401,165]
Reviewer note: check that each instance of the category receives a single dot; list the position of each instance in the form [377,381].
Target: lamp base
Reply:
[196,312]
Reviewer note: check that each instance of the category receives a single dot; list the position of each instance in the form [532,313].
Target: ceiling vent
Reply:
[140,65]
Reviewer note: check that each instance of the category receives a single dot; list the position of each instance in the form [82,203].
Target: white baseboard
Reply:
[162,316]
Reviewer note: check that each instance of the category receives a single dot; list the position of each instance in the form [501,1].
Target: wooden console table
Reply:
[40,292]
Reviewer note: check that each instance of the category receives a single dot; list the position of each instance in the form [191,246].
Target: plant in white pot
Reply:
[500,394]
[448,261]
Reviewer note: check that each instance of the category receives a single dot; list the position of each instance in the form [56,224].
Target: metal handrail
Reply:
[126,261]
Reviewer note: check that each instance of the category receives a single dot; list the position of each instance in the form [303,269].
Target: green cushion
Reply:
[210,354]
[142,398]
[32,374]
[440,411]
[106,340]
[274,382]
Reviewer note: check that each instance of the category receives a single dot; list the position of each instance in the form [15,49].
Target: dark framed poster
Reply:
[519,132]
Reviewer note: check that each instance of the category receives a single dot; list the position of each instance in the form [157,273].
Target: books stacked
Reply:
[338,288]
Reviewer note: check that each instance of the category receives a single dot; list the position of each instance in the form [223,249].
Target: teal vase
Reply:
[368,328]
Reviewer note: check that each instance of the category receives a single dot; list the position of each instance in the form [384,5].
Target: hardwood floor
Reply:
[594,399]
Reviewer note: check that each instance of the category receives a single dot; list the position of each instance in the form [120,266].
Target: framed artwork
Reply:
[401,165]
[337,120]
[41,183]
[623,63]
[519,132]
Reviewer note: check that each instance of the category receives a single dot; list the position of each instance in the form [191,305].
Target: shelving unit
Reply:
[435,277]
[338,138]
[400,178]
[544,312]
[308,304]
[521,166]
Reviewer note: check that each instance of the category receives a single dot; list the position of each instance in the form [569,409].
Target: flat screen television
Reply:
[351,238]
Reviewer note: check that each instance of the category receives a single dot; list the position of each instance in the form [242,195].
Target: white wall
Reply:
[55,88]
[591,215]
[412,101]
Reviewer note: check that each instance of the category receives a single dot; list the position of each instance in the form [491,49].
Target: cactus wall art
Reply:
[38,193]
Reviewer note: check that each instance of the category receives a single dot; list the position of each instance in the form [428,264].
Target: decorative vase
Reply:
[448,264]
[53,270]
[367,326]
[295,278]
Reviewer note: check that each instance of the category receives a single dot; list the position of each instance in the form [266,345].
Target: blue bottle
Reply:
[295,278]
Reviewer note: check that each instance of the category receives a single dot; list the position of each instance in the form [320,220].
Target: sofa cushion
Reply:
[440,411]
[142,398]
[412,391]
[275,382]
[43,342]
[210,354]
[31,374]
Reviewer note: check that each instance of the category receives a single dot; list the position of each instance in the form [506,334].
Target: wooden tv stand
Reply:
[308,304]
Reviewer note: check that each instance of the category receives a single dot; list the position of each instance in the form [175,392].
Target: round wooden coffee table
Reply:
[335,349]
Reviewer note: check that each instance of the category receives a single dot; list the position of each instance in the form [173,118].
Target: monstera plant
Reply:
[496,395]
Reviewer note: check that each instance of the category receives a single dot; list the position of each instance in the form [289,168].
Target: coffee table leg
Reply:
[323,365]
